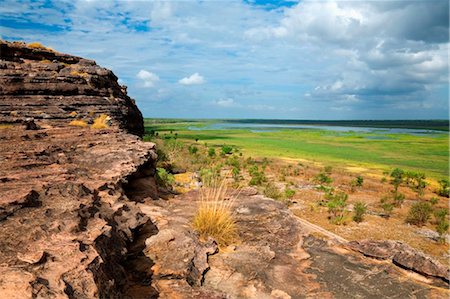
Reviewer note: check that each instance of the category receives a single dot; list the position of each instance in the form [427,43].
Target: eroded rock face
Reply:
[41,84]
[402,255]
[67,227]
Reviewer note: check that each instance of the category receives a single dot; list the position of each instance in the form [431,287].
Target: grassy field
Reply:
[353,150]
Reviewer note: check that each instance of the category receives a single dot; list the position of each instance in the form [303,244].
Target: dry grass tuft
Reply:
[37,45]
[78,123]
[214,217]
[73,113]
[79,74]
[5,126]
[101,122]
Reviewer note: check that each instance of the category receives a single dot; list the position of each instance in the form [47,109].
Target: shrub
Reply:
[101,122]
[398,198]
[359,210]
[336,207]
[444,188]
[434,201]
[419,213]
[214,217]
[442,229]
[233,161]
[419,183]
[323,178]
[397,178]
[227,150]
[272,191]
[387,208]
[289,193]
[257,177]
[440,214]
[359,181]
[163,178]
[328,169]
[211,152]
[192,149]
[235,172]
[78,123]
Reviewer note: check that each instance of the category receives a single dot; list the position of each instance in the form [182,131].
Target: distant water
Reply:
[255,127]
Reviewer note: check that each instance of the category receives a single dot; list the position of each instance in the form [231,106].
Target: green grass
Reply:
[418,153]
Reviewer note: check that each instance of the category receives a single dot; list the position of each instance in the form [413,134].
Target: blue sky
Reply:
[256,58]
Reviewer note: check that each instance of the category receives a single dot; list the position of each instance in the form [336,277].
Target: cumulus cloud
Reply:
[149,79]
[365,59]
[228,102]
[193,79]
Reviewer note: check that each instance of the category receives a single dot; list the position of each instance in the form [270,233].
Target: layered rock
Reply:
[39,83]
[67,227]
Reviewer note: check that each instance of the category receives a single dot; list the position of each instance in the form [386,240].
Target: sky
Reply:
[256,58]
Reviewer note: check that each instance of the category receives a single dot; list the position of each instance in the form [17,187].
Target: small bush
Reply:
[289,193]
[359,181]
[235,172]
[163,178]
[440,214]
[442,229]
[214,217]
[387,208]
[101,122]
[359,211]
[323,178]
[398,198]
[328,169]
[336,207]
[78,123]
[211,152]
[444,188]
[192,149]
[419,213]
[272,191]
[227,150]
[397,178]
[257,177]
[434,201]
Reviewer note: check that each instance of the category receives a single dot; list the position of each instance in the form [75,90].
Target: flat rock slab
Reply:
[277,257]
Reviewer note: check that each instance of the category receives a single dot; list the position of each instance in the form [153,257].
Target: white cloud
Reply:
[192,80]
[149,79]
[226,103]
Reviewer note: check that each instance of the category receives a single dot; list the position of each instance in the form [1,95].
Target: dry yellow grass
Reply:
[214,217]
[79,74]
[5,126]
[37,45]
[101,122]
[78,123]
[73,113]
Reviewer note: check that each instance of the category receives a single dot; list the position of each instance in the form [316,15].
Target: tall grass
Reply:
[214,217]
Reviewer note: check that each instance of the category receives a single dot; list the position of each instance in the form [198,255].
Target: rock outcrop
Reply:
[67,227]
[39,83]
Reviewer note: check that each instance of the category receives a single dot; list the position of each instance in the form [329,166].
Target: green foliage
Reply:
[444,188]
[209,175]
[442,228]
[434,201]
[226,149]
[336,207]
[360,209]
[419,213]
[328,169]
[440,214]
[192,149]
[272,191]
[387,208]
[211,152]
[398,198]
[257,177]
[397,178]
[233,161]
[289,193]
[359,181]
[163,178]
[323,178]
[235,172]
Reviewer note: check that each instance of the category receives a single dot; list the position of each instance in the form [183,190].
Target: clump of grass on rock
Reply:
[101,122]
[78,123]
[214,217]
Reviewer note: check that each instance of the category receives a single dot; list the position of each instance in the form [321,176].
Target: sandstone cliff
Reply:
[39,83]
